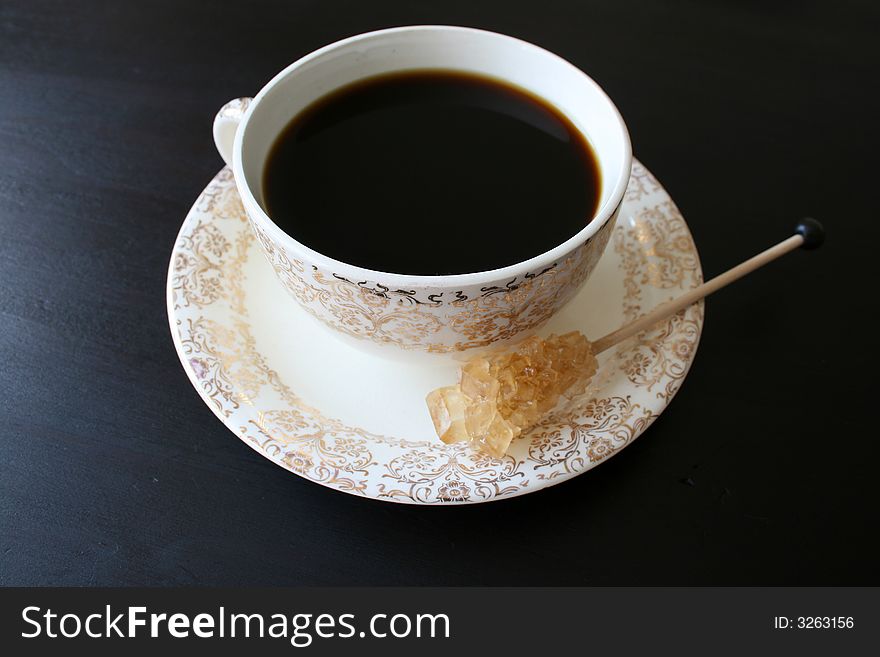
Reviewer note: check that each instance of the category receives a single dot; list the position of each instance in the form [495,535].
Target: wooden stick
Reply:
[809,235]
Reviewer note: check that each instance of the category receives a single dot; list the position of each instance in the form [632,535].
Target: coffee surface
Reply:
[430,172]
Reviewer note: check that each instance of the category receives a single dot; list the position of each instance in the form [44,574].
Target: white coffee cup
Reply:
[449,313]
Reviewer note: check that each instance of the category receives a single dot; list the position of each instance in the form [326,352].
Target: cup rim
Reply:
[536,263]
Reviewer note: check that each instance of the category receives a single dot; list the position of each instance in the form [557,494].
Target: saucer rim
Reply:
[533,488]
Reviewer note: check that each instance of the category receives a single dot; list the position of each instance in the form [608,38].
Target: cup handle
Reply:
[226,123]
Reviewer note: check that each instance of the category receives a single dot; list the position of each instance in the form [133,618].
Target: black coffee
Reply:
[430,172]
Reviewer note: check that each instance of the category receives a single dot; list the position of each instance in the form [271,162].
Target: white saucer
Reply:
[331,413]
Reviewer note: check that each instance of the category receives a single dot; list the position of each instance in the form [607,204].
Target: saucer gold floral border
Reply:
[218,274]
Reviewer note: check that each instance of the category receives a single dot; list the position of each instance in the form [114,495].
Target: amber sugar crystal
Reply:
[500,396]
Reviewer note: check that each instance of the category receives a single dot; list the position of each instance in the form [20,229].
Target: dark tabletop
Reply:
[762,471]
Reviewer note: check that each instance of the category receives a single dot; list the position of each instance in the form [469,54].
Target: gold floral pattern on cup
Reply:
[433,320]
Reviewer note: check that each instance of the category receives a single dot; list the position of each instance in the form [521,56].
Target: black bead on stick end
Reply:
[812,232]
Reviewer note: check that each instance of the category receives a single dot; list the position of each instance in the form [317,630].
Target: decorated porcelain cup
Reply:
[451,313]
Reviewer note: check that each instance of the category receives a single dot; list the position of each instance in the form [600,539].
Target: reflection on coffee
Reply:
[431,172]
